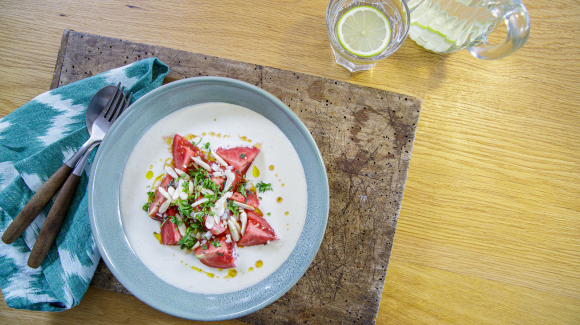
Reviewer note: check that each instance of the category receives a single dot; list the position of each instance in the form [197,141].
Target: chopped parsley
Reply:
[269,214]
[195,144]
[242,156]
[204,246]
[263,187]
[187,241]
[242,190]
[176,221]
[216,244]
[146,206]
[184,207]
[150,195]
[234,208]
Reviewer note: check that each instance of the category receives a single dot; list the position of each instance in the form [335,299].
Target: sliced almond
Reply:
[196,245]
[182,185]
[231,177]
[190,187]
[244,220]
[170,171]
[233,231]
[182,174]
[164,193]
[164,206]
[201,163]
[209,222]
[245,206]
[175,194]
[236,224]
[205,190]
[198,202]
[219,159]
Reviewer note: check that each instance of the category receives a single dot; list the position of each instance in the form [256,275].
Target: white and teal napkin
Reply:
[35,140]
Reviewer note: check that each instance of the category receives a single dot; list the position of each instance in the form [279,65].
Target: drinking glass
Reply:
[397,14]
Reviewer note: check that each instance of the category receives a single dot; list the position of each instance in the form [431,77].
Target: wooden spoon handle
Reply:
[33,208]
[53,221]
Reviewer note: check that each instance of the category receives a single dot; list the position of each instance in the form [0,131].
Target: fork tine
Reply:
[109,103]
[123,107]
[117,103]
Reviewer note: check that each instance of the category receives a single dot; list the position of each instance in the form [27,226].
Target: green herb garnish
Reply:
[195,144]
[216,244]
[150,197]
[263,187]
[186,241]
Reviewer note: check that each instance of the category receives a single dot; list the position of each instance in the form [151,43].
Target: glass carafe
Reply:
[446,26]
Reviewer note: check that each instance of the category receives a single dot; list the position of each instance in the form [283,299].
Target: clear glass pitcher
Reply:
[446,26]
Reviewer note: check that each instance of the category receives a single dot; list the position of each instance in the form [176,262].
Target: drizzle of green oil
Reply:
[255,172]
[250,269]
[149,175]
[259,264]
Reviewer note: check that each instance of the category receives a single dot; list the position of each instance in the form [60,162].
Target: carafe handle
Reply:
[517,21]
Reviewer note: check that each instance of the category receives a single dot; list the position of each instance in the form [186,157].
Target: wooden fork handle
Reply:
[53,221]
[33,208]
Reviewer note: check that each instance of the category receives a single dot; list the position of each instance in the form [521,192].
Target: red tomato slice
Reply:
[222,257]
[258,231]
[239,157]
[251,199]
[183,150]
[217,227]
[169,232]
[158,199]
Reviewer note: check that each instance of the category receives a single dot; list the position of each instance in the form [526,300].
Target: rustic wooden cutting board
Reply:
[365,136]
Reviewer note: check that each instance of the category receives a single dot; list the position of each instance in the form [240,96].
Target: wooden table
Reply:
[489,230]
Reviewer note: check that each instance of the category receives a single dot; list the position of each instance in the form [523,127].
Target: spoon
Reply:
[41,198]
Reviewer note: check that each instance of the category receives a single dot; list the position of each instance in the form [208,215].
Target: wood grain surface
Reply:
[365,136]
[489,231]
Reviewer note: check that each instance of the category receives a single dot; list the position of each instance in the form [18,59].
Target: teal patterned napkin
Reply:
[35,140]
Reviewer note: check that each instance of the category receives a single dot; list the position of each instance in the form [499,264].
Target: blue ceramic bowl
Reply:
[104,209]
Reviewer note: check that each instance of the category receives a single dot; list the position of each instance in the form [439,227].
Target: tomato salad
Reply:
[206,205]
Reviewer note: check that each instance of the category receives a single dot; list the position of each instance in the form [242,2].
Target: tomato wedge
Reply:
[223,257]
[158,199]
[250,199]
[239,157]
[258,231]
[183,150]
[169,232]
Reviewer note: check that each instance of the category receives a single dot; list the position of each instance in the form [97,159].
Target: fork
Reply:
[43,196]
[59,209]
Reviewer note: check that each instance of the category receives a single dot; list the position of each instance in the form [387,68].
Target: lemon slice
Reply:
[364,31]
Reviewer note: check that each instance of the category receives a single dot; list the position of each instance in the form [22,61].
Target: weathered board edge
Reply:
[60,59]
